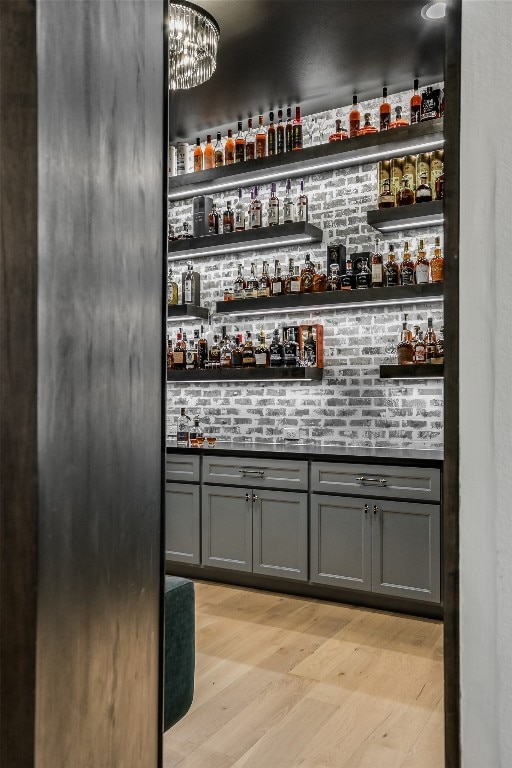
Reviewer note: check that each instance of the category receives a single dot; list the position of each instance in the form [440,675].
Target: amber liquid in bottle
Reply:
[250,141]
[219,152]
[405,348]
[307,274]
[280,134]
[437,263]
[209,154]
[385,111]
[407,267]
[416,104]
[354,118]
[289,130]
[297,130]
[229,149]
[240,145]
[271,136]
[261,140]
[319,280]
[198,156]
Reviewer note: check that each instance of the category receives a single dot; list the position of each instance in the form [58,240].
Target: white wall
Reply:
[486,379]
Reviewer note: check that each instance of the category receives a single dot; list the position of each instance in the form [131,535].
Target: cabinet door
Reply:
[341,541]
[406,550]
[280,534]
[182,523]
[227,527]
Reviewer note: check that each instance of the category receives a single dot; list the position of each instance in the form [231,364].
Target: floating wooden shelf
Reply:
[404,294]
[185,311]
[414,371]
[422,137]
[246,375]
[407,217]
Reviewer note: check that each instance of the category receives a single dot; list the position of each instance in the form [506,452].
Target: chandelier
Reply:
[193,39]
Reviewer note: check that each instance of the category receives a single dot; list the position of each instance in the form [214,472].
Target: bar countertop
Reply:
[417,457]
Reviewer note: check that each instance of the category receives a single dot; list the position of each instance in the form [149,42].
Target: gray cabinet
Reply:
[281,474]
[182,468]
[182,523]
[227,527]
[280,534]
[418,483]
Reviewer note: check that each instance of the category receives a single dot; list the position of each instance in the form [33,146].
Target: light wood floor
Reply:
[286,682]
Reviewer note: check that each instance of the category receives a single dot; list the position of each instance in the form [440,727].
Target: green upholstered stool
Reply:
[179,661]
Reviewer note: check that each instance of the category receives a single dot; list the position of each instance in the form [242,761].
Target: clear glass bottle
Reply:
[183,429]
[239,213]
[189,284]
[277,282]
[302,207]
[273,210]
[172,289]
[288,204]
[264,282]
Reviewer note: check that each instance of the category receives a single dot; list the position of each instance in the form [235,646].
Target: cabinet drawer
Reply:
[256,473]
[376,480]
[182,468]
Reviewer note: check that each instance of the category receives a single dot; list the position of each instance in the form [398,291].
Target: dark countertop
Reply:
[404,456]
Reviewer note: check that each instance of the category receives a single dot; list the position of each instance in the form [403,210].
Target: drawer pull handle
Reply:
[378,480]
[257,472]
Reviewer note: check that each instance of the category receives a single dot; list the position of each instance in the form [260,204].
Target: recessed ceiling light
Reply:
[434,10]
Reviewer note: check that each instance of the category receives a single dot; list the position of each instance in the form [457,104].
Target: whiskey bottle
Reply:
[416,104]
[264,282]
[172,289]
[397,172]
[228,218]
[219,151]
[213,220]
[239,213]
[385,111]
[198,156]
[430,342]
[262,352]
[280,134]
[248,220]
[289,130]
[288,205]
[225,353]
[340,133]
[196,430]
[215,353]
[367,127]
[290,350]
[429,104]
[439,353]
[405,195]
[297,130]
[248,357]
[209,154]
[256,210]
[354,119]
[436,168]
[419,346]
[437,263]
[384,173]
[191,285]
[405,348]
[271,136]
[191,353]
[309,349]
[386,197]
[391,269]
[229,149]
[440,186]
[273,211]
[377,268]
[319,280]
[409,169]
[296,282]
[423,190]
[202,350]
[183,429]
[276,351]
[250,141]
[307,274]
[240,144]
[185,234]
[239,284]
[277,282]
[407,267]
[422,266]
[261,139]
[423,163]
[289,277]
[302,204]
[180,348]
[251,290]
[333,281]
[170,362]
[364,277]
[348,279]
[399,121]
[237,352]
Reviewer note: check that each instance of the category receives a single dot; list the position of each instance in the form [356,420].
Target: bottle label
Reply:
[182,438]
[249,151]
[288,211]
[238,292]
[307,281]
[384,120]
[419,353]
[275,358]
[297,136]
[261,358]
[415,114]
[271,142]
[294,286]
[188,292]
[263,291]
[248,358]
[407,275]
[256,217]
[391,277]
[302,211]
[421,273]
[290,357]
[273,213]
[240,220]
[190,359]
[240,153]
[377,274]
[362,280]
[179,358]
[276,288]
[198,163]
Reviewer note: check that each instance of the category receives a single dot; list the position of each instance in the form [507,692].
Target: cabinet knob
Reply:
[366,509]
[255,498]
[247,497]
[375,509]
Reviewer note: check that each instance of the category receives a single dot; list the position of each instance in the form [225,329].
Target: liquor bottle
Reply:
[248,358]
[354,118]
[256,210]
[219,151]
[239,213]
[415,104]
[386,197]
[196,430]
[288,205]
[180,348]
[405,195]
[264,282]
[405,348]
[440,187]
[377,268]
[422,265]
[391,269]
[237,352]
[307,274]
[228,294]
[191,353]
[262,352]
[228,218]
[430,342]
[384,173]
[191,285]
[436,167]
[407,267]
[209,154]
[225,353]
[296,282]
[297,130]
[437,263]
[319,280]
[333,281]
[423,190]
[289,277]
[385,111]
[429,104]
[273,210]
[251,290]
[340,134]
[170,362]
[289,130]
[367,127]
[239,284]
[423,166]
[171,235]
[271,136]
[277,282]
[419,346]
[185,234]
[240,144]
[439,353]
[261,139]
[198,156]
[250,141]
[364,277]
[399,121]
[396,174]
[172,289]
[248,220]
[290,350]
[213,220]
[309,349]
[347,281]
[202,350]
[276,351]
[183,429]
[229,149]
[302,204]
[280,134]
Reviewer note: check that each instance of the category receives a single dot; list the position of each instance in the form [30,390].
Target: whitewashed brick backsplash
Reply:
[351,406]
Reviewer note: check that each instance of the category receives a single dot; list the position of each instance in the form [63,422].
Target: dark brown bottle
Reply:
[391,269]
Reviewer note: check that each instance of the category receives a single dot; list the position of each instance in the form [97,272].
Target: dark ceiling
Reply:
[316,53]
